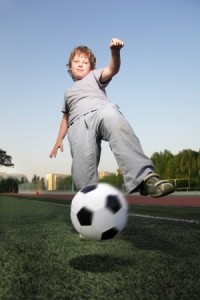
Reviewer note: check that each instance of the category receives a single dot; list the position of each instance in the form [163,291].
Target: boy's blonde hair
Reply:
[88,53]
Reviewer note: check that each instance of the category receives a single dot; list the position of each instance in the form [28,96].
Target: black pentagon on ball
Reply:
[109,234]
[85,216]
[113,203]
[88,188]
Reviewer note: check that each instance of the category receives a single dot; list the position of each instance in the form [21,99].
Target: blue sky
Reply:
[157,88]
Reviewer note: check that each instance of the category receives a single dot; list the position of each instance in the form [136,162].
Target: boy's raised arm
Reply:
[115,61]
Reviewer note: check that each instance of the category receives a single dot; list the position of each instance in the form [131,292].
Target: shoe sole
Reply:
[158,195]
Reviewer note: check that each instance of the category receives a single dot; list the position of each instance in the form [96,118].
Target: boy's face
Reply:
[80,66]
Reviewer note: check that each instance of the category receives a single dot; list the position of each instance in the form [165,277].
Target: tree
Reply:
[64,183]
[115,180]
[9,185]
[35,179]
[5,160]
[163,162]
[185,164]
[37,183]
[189,162]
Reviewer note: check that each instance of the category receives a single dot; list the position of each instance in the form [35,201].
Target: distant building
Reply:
[103,174]
[52,181]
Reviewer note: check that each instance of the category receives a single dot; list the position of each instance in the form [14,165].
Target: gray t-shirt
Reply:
[85,95]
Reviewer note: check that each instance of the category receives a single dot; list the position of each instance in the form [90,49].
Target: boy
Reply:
[89,117]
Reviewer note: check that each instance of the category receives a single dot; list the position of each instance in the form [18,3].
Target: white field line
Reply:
[165,218]
[134,215]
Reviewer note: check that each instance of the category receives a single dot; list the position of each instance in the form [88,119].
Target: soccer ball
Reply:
[99,211]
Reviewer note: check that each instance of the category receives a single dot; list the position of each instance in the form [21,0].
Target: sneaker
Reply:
[154,186]
[82,238]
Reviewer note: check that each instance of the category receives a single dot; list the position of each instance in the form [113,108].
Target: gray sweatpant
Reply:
[107,124]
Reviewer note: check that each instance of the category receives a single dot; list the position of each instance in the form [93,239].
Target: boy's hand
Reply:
[116,44]
[55,149]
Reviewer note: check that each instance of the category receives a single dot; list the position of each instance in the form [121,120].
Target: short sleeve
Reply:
[65,108]
[97,74]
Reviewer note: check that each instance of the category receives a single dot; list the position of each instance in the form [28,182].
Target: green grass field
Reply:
[41,256]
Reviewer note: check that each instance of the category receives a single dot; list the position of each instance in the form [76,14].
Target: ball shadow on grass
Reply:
[99,263]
